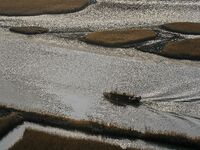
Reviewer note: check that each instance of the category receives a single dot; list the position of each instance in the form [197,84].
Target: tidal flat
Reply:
[58,74]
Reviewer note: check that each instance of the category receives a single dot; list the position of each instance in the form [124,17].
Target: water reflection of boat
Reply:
[122,97]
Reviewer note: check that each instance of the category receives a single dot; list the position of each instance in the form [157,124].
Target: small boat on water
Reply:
[122,97]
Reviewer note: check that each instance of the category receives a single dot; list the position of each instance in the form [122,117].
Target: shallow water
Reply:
[67,77]
[68,82]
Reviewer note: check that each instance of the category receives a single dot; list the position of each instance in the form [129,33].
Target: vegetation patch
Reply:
[38,7]
[9,122]
[172,138]
[46,141]
[183,27]
[29,30]
[95,128]
[122,98]
[185,49]
[119,38]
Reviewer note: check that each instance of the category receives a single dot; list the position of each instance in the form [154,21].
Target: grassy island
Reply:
[183,27]
[39,7]
[185,49]
[29,30]
[119,38]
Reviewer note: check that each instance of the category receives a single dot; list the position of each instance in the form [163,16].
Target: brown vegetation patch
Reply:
[172,137]
[119,38]
[189,48]
[96,128]
[38,7]
[9,122]
[183,27]
[35,140]
[29,30]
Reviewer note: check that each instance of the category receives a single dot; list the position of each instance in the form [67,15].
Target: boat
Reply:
[122,97]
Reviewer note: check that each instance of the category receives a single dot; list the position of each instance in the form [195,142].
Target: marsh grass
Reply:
[35,140]
[118,38]
[95,128]
[29,30]
[172,138]
[183,27]
[185,49]
[38,7]
[9,122]
[89,127]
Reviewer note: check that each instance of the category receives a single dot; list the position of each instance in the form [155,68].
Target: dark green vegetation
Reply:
[189,48]
[96,128]
[9,122]
[119,38]
[36,140]
[183,27]
[38,7]
[29,30]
